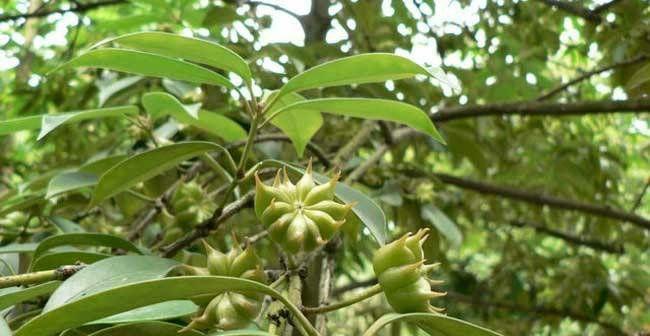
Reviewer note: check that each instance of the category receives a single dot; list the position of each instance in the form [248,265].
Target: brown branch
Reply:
[574,240]
[639,199]
[575,9]
[541,199]
[533,108]
[203,229]
[590,74]
[81,8]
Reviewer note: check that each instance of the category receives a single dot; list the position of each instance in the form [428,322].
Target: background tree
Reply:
[536,203]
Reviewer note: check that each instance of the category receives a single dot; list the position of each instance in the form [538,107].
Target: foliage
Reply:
[515,132]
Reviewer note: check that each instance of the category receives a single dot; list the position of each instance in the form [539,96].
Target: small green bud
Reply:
[402,274]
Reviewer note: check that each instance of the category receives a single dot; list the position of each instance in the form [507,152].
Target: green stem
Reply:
[365,294]
[60,273]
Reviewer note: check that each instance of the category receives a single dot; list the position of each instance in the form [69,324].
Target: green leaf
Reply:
[443,224]
[69,181]
[92,239]
[18,295]
[50,261]
[241,333]
[375,109]
[159,311]
[433,324]
[188,48]
[299,125]
[152,328]
[52,121]
[65,225]
[147,64]
[146,165]
[20,124]
[107,274]
[639,78]
[4,327]
[157,103]
[48,122]
[109,88]
[19,248]
[370,214]
[100,304]
[358,69]
[86,176]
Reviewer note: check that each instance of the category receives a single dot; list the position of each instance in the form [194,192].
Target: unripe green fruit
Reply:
[190,205]
[299,217]
[14,220]
[402,274]
[231,310]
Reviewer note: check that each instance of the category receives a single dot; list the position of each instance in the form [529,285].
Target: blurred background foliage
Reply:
[513,266]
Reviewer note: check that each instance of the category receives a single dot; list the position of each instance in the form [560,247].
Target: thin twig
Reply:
[590,74]
[77,9]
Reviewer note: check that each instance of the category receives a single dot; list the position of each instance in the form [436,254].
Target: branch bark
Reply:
[81,8]
[590,74]
[541,199]
[535,108]
[573,8]
[60,273]
[574,240]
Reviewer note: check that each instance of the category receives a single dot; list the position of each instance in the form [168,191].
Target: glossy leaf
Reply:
[433,324]
[52,121]
[4,327]
[68,181]
[152,328]
[92,239]
[107,90]
[147,64]
[146,165]
[86,176]
[161,103]
[65,225]
[639,78]
[18,295]
[18,248]
[375,109]
[107,274]
[188,48]
[20,124]
[93,306]
[241,333]
[298,124]
[358,69]
[50,261]
[443,224]
[159,311]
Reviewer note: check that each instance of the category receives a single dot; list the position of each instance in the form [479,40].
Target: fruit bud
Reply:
[231,310]
[190,205]
[402,274]
[299,217]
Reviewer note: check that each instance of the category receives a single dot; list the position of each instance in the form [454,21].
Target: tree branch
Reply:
[81,8]
[533,108]
[577,10]
[575,240]
[589,74]
[60,273]
[541,199]
[207,226]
